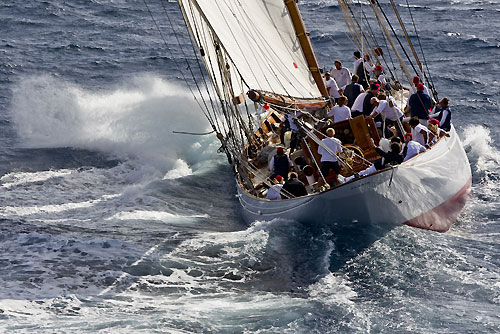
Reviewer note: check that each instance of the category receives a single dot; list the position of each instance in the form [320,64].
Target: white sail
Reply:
[259,40]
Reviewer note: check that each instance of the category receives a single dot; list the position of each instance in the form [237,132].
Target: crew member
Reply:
[413,89]
[273,193]
[332,87]
[411,148]
[280,164]
[329,160]
[419,132]
[367,105]
[386,107]
[357,106]
[419,105]
[352,90]
[379,74]
[341,111]
[341,74]
[393,157]
[363,70]
[294,186]
[443,114]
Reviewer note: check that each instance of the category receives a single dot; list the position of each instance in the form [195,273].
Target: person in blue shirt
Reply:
[420,104]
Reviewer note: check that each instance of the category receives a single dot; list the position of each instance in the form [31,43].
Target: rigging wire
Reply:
[271,63]
[223,97]
[378,46]
[389,38]
[175,61]
[404,50]
[367,23]
[354,35]
[189,66]
[350,19]
[395,74]
[363,52]
[222,111]
[202,39]
[361,36]
[405,32]
[193,133]
[432,87]
[395,35]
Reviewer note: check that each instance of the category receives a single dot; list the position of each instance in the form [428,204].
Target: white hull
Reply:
[427,191]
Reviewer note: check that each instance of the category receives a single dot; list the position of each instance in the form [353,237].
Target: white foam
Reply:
[332,289]
[153,215]
[482,152]
[20,178]
[22,211]
[180,169]
[133,119]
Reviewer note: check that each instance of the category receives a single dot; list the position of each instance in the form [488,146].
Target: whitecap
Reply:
[21,178]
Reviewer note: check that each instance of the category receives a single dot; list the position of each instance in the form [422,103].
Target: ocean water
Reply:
[110,223]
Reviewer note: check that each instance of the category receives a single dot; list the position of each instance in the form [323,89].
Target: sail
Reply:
[259,44]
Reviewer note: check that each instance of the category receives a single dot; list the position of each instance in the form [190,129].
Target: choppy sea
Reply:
[110,223]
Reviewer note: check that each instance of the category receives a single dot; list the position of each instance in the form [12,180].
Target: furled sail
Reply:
[250,44]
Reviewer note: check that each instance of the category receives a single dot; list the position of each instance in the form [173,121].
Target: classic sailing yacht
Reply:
[263,70]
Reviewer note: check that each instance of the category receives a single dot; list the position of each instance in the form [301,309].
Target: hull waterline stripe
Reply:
[447,211]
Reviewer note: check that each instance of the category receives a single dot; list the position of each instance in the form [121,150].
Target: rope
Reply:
[434,92]
[320,143]
[197,61]
[393,45]
[314,160]
[395,35]
[250,167]
[193,133]
[175,61]
[410,44]
[394,75]
[262,51]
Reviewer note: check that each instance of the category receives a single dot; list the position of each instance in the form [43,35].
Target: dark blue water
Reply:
[110,223]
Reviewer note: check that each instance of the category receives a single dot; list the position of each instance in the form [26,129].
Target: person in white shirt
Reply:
[419,132]
[435,132]
[383,108]
[331,86]
[369,66]
[411,148]
[329,160]
[341,74]
[341,111]
[386,108]
[363,70]
[380,76]
[357,106]
[273,193]
[357,61]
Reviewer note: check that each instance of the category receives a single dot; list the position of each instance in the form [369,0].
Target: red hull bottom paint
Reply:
[441,217]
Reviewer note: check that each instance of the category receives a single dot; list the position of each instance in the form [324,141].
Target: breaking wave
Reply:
[132,120]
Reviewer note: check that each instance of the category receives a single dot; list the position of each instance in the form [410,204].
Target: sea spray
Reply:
[134,119]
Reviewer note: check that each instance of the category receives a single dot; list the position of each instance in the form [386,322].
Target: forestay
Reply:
[259,41]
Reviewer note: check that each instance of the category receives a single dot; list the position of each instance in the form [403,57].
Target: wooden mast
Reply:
[305,43]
